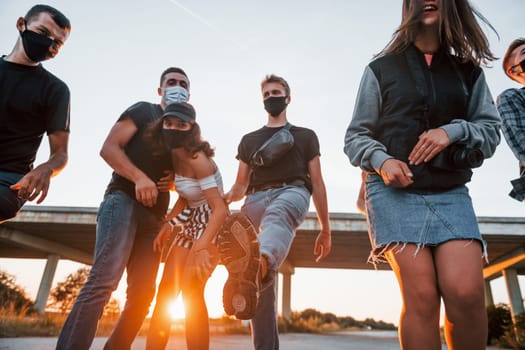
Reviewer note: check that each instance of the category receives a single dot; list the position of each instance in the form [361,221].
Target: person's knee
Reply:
[7,214]
[143,296]
[165,293]
[9,206]
[193,298]
[424,300]
[464,297]
[288,217]
[290,209]
[136,305]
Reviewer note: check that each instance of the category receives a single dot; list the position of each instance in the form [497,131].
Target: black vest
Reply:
[417,97]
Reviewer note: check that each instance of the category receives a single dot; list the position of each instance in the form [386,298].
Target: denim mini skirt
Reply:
[397,217]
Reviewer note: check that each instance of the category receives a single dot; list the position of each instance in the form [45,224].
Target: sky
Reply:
[118,49]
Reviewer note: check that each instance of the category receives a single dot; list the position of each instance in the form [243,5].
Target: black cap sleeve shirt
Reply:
[140,154]
[32,102]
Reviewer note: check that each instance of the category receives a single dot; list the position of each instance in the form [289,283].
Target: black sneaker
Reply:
[239,252]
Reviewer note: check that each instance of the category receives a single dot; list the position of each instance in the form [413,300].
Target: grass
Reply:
[25,323]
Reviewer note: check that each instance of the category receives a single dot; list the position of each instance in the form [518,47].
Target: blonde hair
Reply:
[272,78]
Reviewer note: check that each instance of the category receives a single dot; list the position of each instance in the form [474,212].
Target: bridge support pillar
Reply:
[514,292]
[45,283]
[489,299]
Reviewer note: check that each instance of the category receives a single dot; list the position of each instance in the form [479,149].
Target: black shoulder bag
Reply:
[274,148]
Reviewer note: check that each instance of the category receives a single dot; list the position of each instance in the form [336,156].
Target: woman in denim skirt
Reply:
[423,118]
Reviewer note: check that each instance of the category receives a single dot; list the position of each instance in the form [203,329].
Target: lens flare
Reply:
[176,309]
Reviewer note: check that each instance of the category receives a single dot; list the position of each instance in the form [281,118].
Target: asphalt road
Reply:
[373,340]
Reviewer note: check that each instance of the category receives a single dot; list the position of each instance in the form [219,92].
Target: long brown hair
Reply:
[459,31]
[193,143]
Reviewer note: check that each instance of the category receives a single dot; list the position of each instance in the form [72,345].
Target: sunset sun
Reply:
[176,309]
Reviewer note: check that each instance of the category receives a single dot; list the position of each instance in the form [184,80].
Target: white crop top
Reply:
[192,189]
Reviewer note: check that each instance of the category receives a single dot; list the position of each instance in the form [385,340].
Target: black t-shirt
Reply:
[140,154]
[32,102]
[292,166]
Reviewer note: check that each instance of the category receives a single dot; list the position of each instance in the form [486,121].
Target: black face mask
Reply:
[514,69]
[36,45]
[275,105]
[174,138]
[522,65]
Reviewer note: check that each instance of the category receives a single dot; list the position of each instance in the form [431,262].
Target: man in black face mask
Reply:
[129,218]
[32,102]
[278,198]
[511,107]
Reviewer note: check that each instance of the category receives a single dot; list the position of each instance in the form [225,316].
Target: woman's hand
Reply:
[166,184]
[203,260]
[162,237]
[430,143]
[396,173]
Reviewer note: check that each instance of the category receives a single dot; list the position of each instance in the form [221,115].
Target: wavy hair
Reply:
[459,31]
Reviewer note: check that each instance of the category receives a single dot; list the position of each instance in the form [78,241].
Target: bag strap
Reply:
[287,126]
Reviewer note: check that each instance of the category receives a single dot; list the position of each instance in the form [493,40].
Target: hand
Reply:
[323,245]
[236,193]
[361,197]
[146,192]
[228,197]
[34,183]
[396,173]
[203,261]
[166,184]
[430,143]
[162,237]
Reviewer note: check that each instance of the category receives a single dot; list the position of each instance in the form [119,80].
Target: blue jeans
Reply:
[125,234]
[10,204]
[277,212]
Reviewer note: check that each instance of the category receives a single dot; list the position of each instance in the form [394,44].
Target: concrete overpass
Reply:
[55,233]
